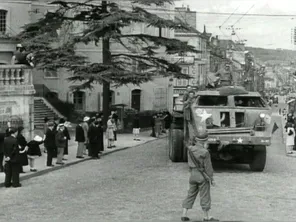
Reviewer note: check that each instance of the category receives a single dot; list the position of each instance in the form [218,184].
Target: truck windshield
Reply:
[212,101]
[249,101]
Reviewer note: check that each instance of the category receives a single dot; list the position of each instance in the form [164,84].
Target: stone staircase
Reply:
[43,109]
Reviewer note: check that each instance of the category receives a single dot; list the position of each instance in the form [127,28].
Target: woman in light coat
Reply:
[290,138]
[109,132]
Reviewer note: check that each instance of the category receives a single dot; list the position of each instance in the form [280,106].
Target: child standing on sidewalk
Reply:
[34,151]
[290,138]
[136,127]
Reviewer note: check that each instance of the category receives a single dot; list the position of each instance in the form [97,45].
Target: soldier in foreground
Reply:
[201,176]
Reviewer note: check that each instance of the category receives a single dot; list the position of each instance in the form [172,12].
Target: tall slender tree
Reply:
[104,23]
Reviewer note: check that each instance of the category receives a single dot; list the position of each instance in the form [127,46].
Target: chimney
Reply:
[205,30]
[188,9]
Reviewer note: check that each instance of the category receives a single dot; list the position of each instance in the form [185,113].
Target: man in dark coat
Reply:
[167,120]
[21,140]
[61,142]
[50,144]
[80,139]
[67,135]
[7,132]
[2,136]
[55,127]
[101,132]
[12,160]
[152,123]
[93,136]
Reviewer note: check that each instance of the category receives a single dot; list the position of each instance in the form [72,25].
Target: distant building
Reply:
[186,15]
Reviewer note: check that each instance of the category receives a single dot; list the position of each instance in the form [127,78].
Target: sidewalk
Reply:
[124,141]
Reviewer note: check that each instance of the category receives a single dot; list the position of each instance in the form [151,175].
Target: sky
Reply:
[265,32]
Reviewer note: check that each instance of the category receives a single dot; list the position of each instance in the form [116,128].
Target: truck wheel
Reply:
[176,145]
[259,159]
[185,154]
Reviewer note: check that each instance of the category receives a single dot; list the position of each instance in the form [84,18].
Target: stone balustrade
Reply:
[14,75]
[16,80]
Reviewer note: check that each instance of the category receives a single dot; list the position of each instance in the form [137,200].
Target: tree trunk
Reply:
[106,85]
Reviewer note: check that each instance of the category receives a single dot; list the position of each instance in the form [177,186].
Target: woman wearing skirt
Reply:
[34,151]
[109,132]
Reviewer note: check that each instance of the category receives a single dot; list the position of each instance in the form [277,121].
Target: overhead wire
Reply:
[226,20]
[229,16]
[243,15]
[224,13]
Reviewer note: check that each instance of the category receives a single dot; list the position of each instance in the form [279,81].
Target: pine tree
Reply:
[104,23]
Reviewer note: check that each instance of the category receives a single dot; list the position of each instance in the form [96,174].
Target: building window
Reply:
[179,82]
[3,15]
[50,74]
[79,100]
[136,99]
[185,71]
[112,97]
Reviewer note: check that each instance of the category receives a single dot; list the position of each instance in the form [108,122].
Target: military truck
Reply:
[239,127]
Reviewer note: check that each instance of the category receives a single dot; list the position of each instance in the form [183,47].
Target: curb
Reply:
[45,171]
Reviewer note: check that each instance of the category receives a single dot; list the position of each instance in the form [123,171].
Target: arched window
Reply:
[3,15]
[136,99]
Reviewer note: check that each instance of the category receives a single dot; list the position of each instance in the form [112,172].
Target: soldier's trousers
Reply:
[197,184]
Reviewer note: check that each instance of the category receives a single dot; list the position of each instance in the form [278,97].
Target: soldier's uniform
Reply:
[197,182]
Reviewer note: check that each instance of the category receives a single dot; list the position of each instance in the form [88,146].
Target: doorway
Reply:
[136,99]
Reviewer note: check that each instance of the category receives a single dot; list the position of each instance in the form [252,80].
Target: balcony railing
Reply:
[15,75]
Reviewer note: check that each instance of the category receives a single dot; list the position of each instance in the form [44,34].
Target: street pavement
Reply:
[142,184]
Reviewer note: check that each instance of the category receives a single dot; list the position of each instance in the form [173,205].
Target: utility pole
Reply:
[106,60]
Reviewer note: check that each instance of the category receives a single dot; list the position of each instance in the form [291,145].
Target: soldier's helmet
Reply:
[202,135]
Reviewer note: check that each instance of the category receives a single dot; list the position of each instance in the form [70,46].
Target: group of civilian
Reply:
[16,153]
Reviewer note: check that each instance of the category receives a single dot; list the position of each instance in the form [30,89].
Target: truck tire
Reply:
[176,145]
[259,159]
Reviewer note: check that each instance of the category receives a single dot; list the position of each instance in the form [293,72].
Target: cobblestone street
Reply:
[142,184]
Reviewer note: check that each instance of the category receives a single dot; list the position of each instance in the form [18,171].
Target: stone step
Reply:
[45,115]
[40,106]
[41,111]
[44,110]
